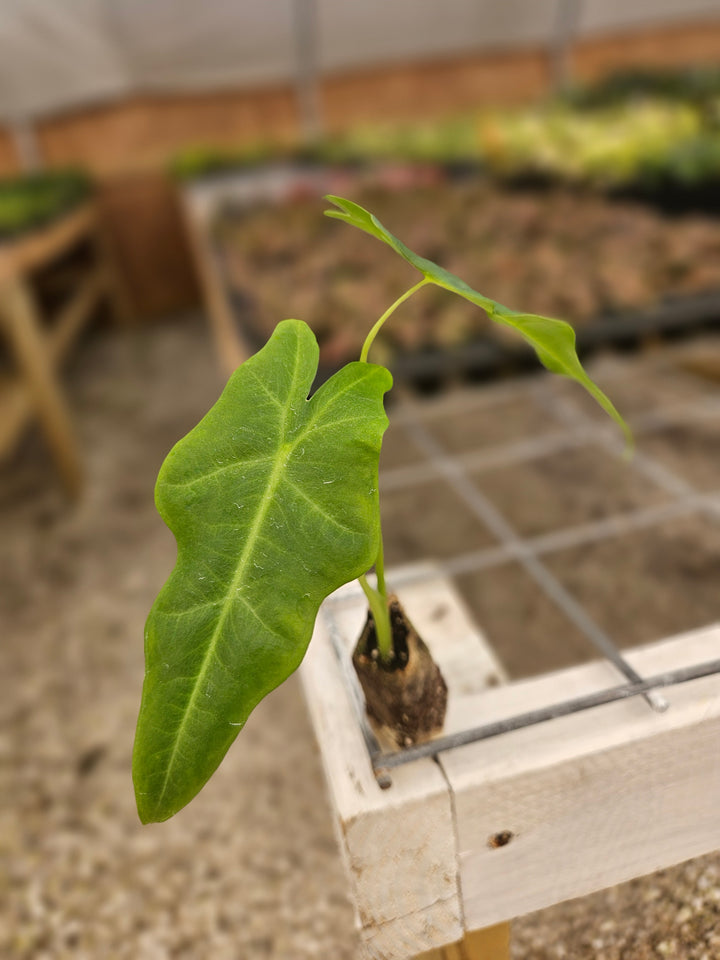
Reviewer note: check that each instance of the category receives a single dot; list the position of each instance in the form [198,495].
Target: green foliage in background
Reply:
[639,127]
[34,200]
[434,141]
[607,147]
[197,162]
[697,85]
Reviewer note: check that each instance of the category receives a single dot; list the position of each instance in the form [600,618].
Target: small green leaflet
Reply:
[273,501]
[552,340]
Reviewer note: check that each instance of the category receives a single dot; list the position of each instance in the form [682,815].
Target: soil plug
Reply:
[405,694]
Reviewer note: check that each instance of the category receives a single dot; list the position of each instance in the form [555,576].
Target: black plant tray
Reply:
[487,358]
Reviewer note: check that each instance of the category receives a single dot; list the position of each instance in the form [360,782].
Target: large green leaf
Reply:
[273,502]
[553,340]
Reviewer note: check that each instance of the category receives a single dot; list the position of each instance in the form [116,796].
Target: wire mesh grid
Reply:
[569,427]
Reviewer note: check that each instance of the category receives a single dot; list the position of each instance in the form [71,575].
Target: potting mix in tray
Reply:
[571,253]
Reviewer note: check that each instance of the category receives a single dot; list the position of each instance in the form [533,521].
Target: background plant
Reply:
[33,200]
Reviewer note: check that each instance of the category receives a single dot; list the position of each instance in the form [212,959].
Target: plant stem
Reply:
[379,608]
[391,309]
[380,570]
[378,599]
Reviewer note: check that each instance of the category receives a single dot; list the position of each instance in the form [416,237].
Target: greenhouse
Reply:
[360,480]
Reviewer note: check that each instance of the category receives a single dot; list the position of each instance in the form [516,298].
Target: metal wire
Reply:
[497,524]
[382,762]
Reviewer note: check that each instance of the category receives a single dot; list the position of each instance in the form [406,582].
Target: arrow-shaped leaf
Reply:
[552,340]
[273,502]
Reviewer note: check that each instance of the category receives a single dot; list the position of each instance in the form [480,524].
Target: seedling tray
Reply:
[243,226]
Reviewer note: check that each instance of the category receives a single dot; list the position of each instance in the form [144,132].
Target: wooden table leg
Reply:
[116,289]
[492,943]
[230,346]
[19,318]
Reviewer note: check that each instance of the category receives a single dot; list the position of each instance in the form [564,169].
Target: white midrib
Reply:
[283,454]
[254,533]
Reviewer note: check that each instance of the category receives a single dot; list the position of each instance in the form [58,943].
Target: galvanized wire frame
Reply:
[576,430]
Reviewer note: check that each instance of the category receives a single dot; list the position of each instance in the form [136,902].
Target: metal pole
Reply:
[26,145]
[567,17]
[307,86]
[383,762]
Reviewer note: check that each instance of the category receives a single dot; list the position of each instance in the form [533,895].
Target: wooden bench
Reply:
[38,348]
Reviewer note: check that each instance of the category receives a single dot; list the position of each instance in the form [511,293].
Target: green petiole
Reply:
[378,604]
[378,598]
[390,310]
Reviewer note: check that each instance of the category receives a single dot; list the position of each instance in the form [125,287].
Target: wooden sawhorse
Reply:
[39,349]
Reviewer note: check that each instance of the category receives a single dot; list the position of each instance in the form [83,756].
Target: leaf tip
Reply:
[629,449]
[336,202]
[151,810]
[612,411]
[629,439]
[347,211]
[144,812]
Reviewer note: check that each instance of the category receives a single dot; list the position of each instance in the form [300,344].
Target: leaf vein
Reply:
[318,509]
[234,464]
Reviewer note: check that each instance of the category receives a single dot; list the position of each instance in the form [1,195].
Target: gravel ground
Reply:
[672,915]
[250,869]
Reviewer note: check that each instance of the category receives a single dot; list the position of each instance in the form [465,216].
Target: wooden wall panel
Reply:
[146,233]
[143,133]
[413,91]
[8,157]
[665,46]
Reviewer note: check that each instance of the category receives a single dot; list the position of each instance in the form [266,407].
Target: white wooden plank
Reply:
[592,799]
[399,845]
[403,936]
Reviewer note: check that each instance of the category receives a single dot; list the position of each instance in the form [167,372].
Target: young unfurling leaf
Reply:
[552,340]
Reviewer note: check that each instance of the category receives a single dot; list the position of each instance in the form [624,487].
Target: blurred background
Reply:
[161,173]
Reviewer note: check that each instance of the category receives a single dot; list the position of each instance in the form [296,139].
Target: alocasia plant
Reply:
[273,501]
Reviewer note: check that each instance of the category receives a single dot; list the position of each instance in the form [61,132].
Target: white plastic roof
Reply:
[58,54]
